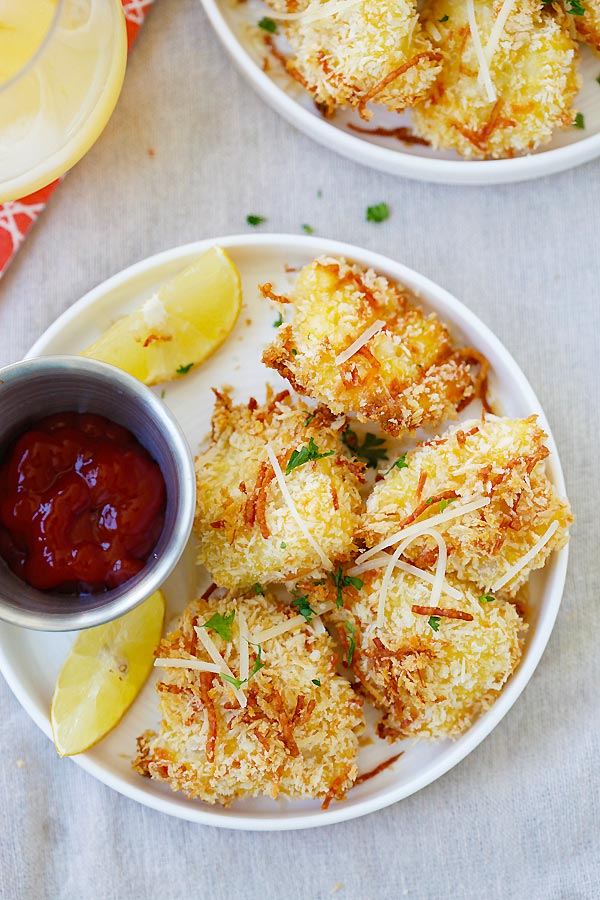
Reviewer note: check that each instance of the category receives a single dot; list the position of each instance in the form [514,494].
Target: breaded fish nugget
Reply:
[246,528]
[501,460]
[370,50]
[533,70]
[407,375]
[431,677]
[588,25]
[294,738]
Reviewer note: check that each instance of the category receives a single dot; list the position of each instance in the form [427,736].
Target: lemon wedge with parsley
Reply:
[104,672]
[181,325]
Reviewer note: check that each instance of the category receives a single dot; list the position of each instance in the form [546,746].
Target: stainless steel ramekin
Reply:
[35,388]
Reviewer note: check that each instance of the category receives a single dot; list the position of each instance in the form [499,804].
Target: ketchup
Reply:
[82,504]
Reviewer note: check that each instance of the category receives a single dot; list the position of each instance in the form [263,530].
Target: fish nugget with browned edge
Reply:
[277,493]
[353,53]
[405,375]
[498,468]
[280,722]
[430,671]
[533,72]
[588,25]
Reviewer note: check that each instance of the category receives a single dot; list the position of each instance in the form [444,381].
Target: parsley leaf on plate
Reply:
[342,581]
[304,455]
[268,24]
[183,370]
[434,622]
[304,608]
[399,464]
[486,598]
[352,644]
[255,220]
[221,624]
[372,449]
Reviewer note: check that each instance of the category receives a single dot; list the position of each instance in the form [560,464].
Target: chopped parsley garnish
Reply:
[444,18]
[445,503]
[372,449]
[305,454]
[163,394]
[486,598]
[255,220]
[308,229]
[352,645]
[238,682]
[221,624]
[429,501]
[598,79]
[399,464]
[342,581]
[283,545]
[319,193]
[309,419]
[378,213]
[268,24]
[278,321]
[294,353]
[434,622]
[304,608]
[316,681]
[575,7]
[579,121]
[183,370]
[318,581]
[258,589]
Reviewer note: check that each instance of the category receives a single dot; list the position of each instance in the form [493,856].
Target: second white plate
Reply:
[236,26]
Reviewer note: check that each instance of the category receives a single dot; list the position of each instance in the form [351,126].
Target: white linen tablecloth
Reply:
[519,818]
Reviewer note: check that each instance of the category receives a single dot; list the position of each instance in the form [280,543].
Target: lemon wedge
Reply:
[103,674]
[177,328]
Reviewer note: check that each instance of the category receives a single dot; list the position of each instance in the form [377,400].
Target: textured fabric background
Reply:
[519,818]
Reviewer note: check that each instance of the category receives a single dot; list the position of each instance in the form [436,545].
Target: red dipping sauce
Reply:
[82,504]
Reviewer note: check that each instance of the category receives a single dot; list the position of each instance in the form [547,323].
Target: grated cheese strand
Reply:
[438,580]
[483,65]
[211,649]
[243,646]
[379,562]
[325,561]
[533,552]
[315,11]
[360,341]
[418,528]
[173,662]
[498,29]
[295,622]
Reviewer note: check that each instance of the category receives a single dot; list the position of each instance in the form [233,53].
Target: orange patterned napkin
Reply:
[17,216]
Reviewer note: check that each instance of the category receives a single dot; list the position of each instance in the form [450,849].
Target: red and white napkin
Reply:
[18,216]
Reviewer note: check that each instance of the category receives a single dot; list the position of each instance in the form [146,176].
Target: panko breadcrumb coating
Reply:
[374,50]
[502,459]
[429,684]
[534,72]
[588,25]
[246,531]
[294,738]
[407,375]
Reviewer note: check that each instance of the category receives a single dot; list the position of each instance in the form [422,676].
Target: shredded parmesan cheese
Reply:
[295,622]
[379,562]
[315,11]
[326,562]
[211,649]
[418,528]
[498,29]
[172,662]
[531,554]
[484,70]
[360,341]
[438,580]
[243,645]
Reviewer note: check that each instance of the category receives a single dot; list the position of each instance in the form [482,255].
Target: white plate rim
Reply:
[394,162]
[289,243]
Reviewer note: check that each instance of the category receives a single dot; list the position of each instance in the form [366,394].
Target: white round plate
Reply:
[236,25]
[30,660]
